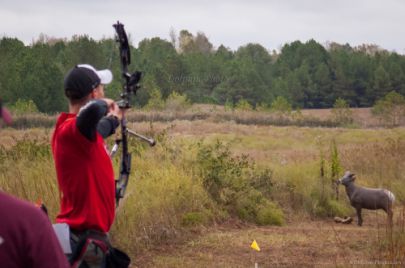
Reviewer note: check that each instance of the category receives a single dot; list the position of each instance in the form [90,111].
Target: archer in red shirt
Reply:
[84,168]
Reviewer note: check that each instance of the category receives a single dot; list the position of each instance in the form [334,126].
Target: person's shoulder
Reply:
[11,201]
[65,120]
[63,117]
[11,206]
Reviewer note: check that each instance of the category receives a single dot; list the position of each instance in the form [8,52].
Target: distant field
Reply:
[362,117]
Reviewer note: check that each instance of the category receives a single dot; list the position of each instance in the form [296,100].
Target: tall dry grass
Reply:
[161,198]
[27,169]
[165,196]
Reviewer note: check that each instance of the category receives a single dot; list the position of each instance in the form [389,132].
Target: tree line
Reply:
[307,75]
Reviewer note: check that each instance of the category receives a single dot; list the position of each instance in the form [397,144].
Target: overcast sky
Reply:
[231,23]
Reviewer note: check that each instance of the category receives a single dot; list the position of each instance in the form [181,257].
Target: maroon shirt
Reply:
[27,238]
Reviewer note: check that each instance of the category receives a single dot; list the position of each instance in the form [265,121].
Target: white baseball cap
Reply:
[104,75]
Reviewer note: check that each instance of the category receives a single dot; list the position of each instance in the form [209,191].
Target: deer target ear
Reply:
[353,176]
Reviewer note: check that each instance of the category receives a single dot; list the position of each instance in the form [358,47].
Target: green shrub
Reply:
[322,205]
[236,185]
[270,214]
[194,218]
[335,167]
[228,106]
[262,180]
[243,105]
[177,102]
[390,109]
[222,173]
[252,206]
[23,107]
[341,113]
[246,205]
[338,208]
[281,106]
[262,107]
[155,101]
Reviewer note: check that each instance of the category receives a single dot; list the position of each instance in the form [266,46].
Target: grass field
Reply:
[171,219]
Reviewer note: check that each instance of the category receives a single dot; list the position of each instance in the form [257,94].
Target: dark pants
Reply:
[89,249]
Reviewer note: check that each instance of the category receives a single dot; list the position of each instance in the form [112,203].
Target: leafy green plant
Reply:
[155,101]
[177,102]
[390,109]
[341,112]
[228,106]
[24,106]
[194,218]
[262,107]
[322,205]
[281,106]
[243,105]
[270,214]
[335,168]
[236,184]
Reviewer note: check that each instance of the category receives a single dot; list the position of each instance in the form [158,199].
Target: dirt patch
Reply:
[304,244]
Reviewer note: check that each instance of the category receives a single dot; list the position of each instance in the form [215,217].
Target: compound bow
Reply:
[131,85]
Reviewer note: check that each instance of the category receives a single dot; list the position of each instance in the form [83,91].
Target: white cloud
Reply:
[232,23]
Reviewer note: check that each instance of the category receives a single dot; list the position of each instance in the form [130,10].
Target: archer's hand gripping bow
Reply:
[131,85]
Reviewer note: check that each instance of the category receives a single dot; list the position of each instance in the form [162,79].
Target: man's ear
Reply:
[98,92]
[93,93]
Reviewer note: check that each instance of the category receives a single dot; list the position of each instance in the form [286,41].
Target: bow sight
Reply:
[131,80]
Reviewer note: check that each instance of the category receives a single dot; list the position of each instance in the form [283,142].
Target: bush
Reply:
[155,101]
[228,106]
[322,205]
[177,102]
[246,205]
[270,214]
[24,106]
[262,107]
[236,185]
[254,207]
[243,105]
[281,106]
[341,113]
[390,109]
[194,218]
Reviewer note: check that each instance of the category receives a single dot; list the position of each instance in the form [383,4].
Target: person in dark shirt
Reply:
[27,238]
[83,165]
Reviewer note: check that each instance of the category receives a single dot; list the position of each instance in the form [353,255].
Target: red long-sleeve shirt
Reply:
[85,177]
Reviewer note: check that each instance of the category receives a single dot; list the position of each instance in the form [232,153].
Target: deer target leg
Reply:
[359,218]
